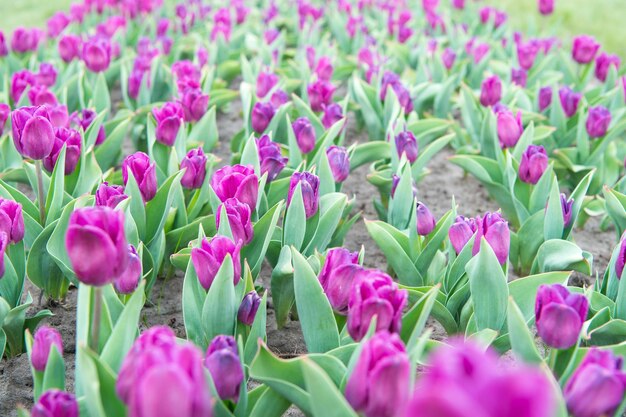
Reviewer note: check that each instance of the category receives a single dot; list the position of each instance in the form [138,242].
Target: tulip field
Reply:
[338,208]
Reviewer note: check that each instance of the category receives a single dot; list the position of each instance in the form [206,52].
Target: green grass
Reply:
[28,13]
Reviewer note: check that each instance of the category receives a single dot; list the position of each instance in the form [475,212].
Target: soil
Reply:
[436,191]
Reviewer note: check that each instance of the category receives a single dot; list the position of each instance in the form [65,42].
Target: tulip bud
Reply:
[265,82]
[490,91]
[533,164]
[492,226]
[39,95]
[309,185]
[621,259]
[339,162]
[519,77]
[569,101]
[559,315]
[47,74]
[510,128]
[33,135]
[603,64]
[304,133]
[270,35]
[195,104]
[526,54]
[70,47]
[25,40]
[55,403]
[324,69]
[458,4]
[407,144]
[20,81]
[128,281]
[109,195]
[144,172]
[584,49]
[566,207]
[597,386]
[222,361]
[248,308]
[11,220]
[279,97]
[194,164]
[337,277]
[448,57]
[60,118]
[208,258]
[545,98]
[97,54]
[169,119]
[5,111]
[271,158]
[4,50]
[262,114]
[425,220]
[379,383]
[546,7]
[238,216]
[332,114]
[598,121]
[45,337]
[320,94]
[375,294]
[73,144]
[236,181]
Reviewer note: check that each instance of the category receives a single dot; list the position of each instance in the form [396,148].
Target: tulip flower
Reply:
[546,7]
[510,128]
[339,162]
[566,207]
[559,315]
[425,220]
[195,104]
[379,384]
[222,361]
[332,114]
[458,4]
[169,118]
[4,50]
[73,144]
[519,77]
[33,135]
[406,144]
[526,54]
[375,294]
[545,98]
[309,185]
[621,259]
[569,101]
[261,116]
[11,220]
[584,49]
[603,64]
[248,308]
[598,121]
[187,75]
[109,195]
[96,244]
[45,337]
[271,158]
[533,164]
[39,95]
[265,82]
[597,386]
[320,94]
[238,216]
[47,74]
[194,164]
[236,181]
[337,277]
[85,118]
[448,57]
[208,258]
[97,54]
[128,281]
[70,47]
[144,172]
[59,117]
[55,403]
[20,81]
[492,226]
[488,14]
[5,112]
[279,97]
[490,91]
[305,134]
[25,40]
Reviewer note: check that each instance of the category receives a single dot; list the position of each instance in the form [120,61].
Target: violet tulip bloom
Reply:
[265,82]
[248,308]
[33,134]
[43,341]
[169,119]
[448,57]
[379,383]
[20,81]
[129,279]
[603,64]
[519,77]
[39,95]
[545,98]
[598,121]
[96,244]
[309,186]
[55,403]
[337,277]
[271,158]
[238,217]
[194,164]
[406,144]
[236,181]
[109,195]
[73,145]
[85,118]
[569,101]
[223,362]
[320,94]
[546,7]
[492,226]
[70,47]
[195,104]
[526,54]
[305,134]
[559,315]
[425,220]
[144,173]
[533,164]
[5,112]
[97,54]
[584,49]
[339,162]
[490,91]
[332,114]
[509,128]
[261,116]
[566,207]
[11,220]
[208,258]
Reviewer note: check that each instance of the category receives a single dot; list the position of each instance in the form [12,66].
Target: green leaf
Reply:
[414,321]
[522,341]
[158,207]
[254,252]
[270,404]
[54,200]
[54,374]
[219,310]
[295,220]
[257,332]
[553,228]
[101,97]
[562,255]
[328,400]
[282,286]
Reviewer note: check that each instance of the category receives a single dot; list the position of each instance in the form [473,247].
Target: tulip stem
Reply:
[42,203]
[97,312]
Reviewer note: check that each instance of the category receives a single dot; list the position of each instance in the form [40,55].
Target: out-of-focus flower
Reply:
[584,49]
[559,315]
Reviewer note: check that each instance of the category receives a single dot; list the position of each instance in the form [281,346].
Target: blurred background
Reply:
[604,19]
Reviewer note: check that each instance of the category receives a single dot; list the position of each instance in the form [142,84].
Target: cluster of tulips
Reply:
[108,184]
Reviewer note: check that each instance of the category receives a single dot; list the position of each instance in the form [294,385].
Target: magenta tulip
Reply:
[43,341]
[33,135]
[533,164]
[584,49]
[305,134]
[559,315]
[598,121]
[569,101]
[339,162]
[491,91]
[222,361]
[510,128]
[309,186]
[337,277]
[129,279]
[194,164]
[208,258]
[248,308]
[143,171]
[271,158]
[238,216]
[55,403]
[261,116]
[97,54]
[236,181]
[109,195]
[73,145]
[11,220]
[169,119]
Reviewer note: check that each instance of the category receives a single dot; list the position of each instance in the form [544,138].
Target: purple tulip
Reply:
[161,378]
[510,128]
[208,258]
[73,145]
[407,144]
[597,386]
[559,315]
[265,82]
[5,112]
[448,57]
[526,54]
[309,186]
[375,294]
[70,47]
[45,337]
[222,361]
[236,181]
[566,208]
[320,94]
[60,118]
[379,384]
[55,403]
[169,119]
[332,114]
[584,49]
[97,54]
[545,98]
[248,308]
[96,244]
[144,172]
[603,64]
[135,79]
[598,121]
[337,277]
[488,14]
[425,220]
[25,40]
[458,4]
[339,162]
[271,158]
[33,135]
[621,259]
[304,133]
[20,81]
[128,281]
[195,104]
[324,69]
[279,97]
[85,118]
[392,80]
[546,7]
[490,91]
[492,226]
[47,74]
[238,216]
[519,77]
[4,50]
[109,195]
[533,164]
[261,116]
[569,101]
[194,164]
[11,220]
[39,95]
